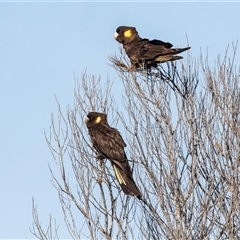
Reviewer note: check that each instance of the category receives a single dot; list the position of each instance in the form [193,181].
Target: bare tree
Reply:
[181,124]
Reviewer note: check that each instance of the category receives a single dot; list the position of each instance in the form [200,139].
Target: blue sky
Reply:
[43,46]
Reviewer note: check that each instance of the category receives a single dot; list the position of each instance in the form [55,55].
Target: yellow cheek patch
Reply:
[128,33]
[98,120]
